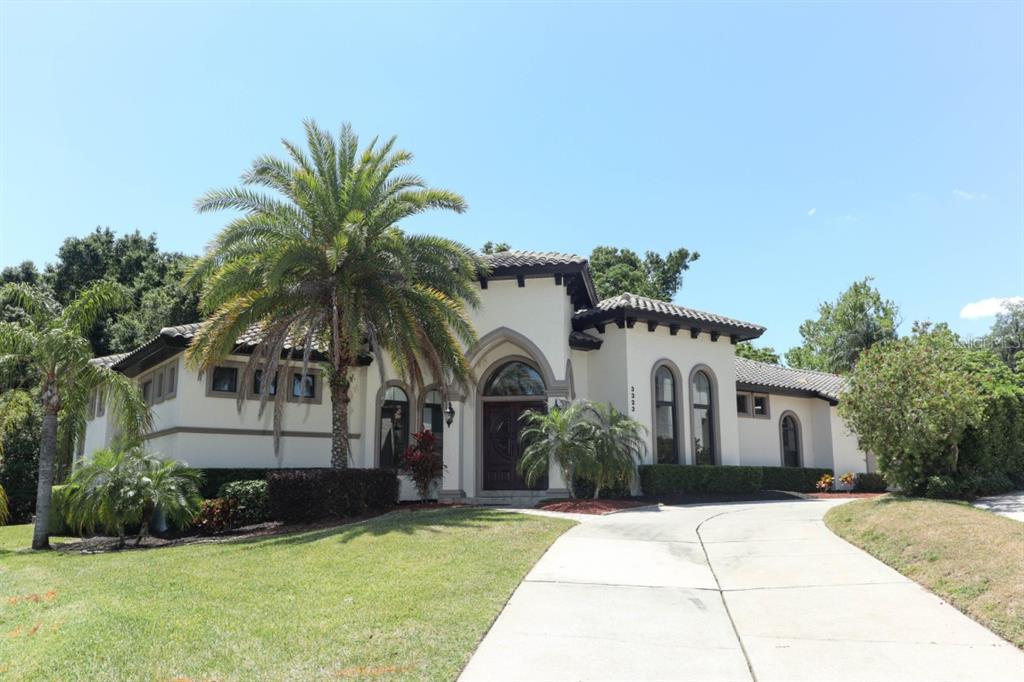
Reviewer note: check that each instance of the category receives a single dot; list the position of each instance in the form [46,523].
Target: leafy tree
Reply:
[1006,337]
[496,247]
[747,350]
[911,402]
[617,271]
[324,263]
[858,319]
[54,346]
[26,273]
[563,433]
[153,279]
[21,421]
[4,508]
[119,489]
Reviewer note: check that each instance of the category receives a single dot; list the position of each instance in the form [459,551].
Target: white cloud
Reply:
[967,196]
[812,211]
[988,307]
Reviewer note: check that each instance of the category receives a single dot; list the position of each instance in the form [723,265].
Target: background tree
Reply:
[858,319]
[913,401]
[616,271]
[26,273]
[1006,337]
[745,349]
[53,345]
[325,264]
[495,247]
[152,278]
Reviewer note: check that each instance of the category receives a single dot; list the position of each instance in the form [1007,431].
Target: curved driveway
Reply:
[754,591]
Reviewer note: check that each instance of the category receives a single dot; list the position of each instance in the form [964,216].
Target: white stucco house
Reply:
[543,337]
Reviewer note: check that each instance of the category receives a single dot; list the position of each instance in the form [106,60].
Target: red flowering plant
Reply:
[422,462]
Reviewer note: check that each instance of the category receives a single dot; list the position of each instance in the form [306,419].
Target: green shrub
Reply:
[301,495]
[793,479]
[58,509]
[250,501]
[870,483]
[214,479]
[672,479]
[942,488]
[215,516]
[991,455]
[583,489]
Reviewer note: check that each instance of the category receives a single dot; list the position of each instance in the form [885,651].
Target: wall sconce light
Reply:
[449,414]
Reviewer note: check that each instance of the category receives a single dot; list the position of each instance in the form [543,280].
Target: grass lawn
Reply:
[970,557]
[404,596]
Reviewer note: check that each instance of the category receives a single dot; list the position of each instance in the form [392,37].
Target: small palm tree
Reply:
[564,433]
[324,264]
[619,444]
[52,342]
[119,489]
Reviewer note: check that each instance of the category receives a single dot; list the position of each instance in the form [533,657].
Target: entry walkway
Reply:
[760,591]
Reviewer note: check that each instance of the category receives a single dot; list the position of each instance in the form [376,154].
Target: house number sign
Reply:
[632,398]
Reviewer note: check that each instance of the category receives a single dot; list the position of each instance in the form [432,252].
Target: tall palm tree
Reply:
[52,342]
[322,264]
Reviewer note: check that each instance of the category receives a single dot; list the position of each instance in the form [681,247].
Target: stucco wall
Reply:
[760,443]
[847,454]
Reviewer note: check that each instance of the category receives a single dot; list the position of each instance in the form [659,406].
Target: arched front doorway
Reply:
[512,388]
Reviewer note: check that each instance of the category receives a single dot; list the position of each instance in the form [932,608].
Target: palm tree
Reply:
[564,433]
[619,444]
[118,489]
[323,265]
[52,342]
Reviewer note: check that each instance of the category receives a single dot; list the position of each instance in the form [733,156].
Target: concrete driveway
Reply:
[759,591]
[1010,505]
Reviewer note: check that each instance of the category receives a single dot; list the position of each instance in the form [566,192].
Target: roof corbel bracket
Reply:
[521,280]
[673,329]
[714,336]
[483,282]
[694,332]
[599,327]
[630,321]
[652,325]
[620,323]
[558,279]
[733,339]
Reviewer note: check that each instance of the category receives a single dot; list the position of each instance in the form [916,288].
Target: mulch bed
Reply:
[589,506]
[841,496]
[100,544]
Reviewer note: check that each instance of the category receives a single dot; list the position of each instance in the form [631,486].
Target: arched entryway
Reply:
[511,388]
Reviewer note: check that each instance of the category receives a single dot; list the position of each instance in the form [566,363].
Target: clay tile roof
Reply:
[631,303]
[109,360]
[531,259]
[820,384]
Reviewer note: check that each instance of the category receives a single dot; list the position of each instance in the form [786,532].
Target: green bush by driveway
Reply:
[401,597]
[673,479]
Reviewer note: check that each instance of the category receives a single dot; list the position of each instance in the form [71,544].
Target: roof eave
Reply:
[596,317]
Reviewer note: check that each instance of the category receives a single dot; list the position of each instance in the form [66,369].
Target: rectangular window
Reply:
[743,404]
[159,386]
[303,386]
[257,378]
[147,391]
[760,406]
[225,380]
[169,383]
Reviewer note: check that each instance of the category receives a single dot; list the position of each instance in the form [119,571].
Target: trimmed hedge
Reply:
[793,479]
[585,490]
[249,501]
[870,483]
[673,479]
[302,495]
[214,479]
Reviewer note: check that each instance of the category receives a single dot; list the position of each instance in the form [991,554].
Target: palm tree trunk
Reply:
[340,449]
[44,491]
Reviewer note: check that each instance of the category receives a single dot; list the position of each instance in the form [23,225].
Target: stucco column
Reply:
[451,450]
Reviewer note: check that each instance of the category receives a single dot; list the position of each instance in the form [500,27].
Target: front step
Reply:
[514,498]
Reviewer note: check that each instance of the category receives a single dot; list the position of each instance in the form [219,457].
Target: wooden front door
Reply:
[502,448]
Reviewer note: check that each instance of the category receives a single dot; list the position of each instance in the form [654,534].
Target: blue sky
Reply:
[797,146]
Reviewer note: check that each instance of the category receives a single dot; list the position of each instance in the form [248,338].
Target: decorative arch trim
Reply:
[556,388]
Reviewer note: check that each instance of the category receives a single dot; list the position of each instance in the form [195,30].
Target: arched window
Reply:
[790,436]
[394,426]
[666,432]
[433,415]
[515,378]
[703,400]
